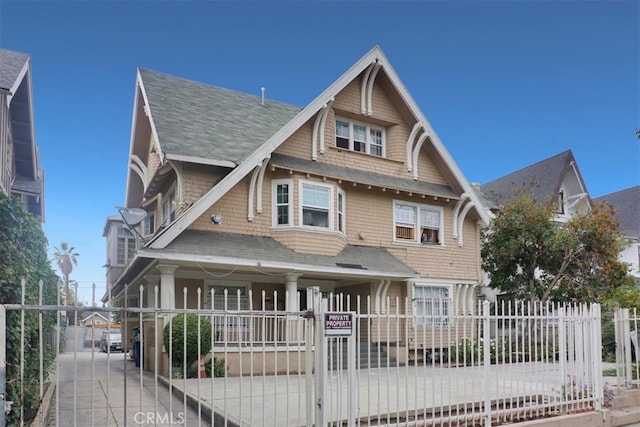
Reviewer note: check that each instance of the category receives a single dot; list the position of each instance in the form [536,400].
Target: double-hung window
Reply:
[169,207]
[360,137]
[282,191]
[341,208]
[417,223]
[316,205]
[149,224]
[431,306]
[125,246]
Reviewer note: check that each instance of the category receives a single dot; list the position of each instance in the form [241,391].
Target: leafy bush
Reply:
[176,327]
[470,352]
[23,255]
[219,367]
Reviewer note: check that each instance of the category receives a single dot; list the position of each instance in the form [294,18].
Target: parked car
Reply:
[111,341]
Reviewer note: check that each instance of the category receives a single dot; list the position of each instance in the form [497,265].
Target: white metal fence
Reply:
[493,364]
[627,323]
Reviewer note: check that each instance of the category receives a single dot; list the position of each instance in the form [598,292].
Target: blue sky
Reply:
[504,83]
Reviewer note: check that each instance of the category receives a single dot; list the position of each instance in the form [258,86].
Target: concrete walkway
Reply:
[99,389]
[96,389]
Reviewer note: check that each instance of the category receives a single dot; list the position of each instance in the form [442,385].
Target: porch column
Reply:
[291,304]
[167,286]
[150,291]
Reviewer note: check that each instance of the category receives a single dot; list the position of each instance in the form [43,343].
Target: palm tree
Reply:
[66,257]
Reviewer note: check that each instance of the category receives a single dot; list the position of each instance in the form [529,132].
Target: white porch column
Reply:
[291,304]
[167,286]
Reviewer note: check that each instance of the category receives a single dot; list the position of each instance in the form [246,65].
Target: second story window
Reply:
[282,194]
[149,224]
[125,246]
[360,137]
[316,205]
[417,223]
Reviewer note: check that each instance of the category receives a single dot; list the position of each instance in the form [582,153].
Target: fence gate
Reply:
[335,361]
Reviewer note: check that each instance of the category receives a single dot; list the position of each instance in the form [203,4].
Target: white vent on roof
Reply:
[262,89]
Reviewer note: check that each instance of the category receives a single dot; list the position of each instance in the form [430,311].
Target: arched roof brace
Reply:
[317,138]
[456,211]
[412,137]
[416,152]
[463,215]
[263,168]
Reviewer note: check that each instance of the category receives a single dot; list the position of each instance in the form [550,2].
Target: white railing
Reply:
[493,364]
[627,325]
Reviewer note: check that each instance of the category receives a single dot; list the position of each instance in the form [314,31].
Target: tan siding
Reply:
[152,165]
[198,180]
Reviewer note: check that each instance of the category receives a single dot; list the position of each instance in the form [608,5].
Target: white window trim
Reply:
[274,202]
[331,204]
[165,199]
[368,127]
[416,240]
[433,283]
[223,284]
[341,224]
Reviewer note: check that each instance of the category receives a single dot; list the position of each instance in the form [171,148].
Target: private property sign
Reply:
[338,324]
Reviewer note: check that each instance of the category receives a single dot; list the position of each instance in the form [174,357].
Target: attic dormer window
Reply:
[560,206]
[361,137]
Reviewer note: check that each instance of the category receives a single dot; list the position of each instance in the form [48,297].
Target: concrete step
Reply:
[627,399]
[624,417]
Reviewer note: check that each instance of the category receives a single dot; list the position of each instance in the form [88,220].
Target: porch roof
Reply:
[362,176]
[266,252]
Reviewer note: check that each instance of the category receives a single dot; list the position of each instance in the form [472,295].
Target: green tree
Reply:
[529,256]
[66,257]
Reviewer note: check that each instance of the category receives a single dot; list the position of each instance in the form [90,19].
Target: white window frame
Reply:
[169,199]
[274,202]
[341,209]
[232,287]
[149,224]
[123,233]
[441,308]
[418,226]
[330,205]
[368,143]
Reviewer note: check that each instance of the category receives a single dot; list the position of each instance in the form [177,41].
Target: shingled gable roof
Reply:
[244,250]
[546,175]
[248,164]
[627,205]
[202,123]
[12,66]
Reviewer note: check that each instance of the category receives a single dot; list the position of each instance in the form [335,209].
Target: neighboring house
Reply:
[95,319]
[354,193]
[121,246]
[627,206]
[555,178]
[20,172]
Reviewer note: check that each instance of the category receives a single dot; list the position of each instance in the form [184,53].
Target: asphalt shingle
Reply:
[200,120]
[266,249]
[627,205]
[11,64]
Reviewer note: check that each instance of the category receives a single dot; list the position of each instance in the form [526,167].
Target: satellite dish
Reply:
[132,216]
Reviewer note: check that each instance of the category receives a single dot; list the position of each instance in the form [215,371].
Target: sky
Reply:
[503,83]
